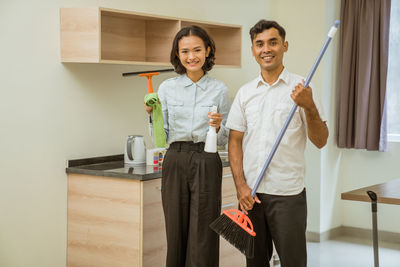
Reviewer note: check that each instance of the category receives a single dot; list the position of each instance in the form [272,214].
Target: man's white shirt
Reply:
[260,110]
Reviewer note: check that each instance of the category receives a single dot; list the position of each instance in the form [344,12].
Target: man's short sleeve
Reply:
[236,119]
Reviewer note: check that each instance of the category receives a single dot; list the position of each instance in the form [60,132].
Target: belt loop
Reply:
[201,147]
[179,147]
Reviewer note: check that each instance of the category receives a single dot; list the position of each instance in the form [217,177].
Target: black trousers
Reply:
[191,198]
[283,220]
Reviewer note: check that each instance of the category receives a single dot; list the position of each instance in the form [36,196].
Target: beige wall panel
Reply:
[103,221]
[80,35]
[159,38]
[122,37]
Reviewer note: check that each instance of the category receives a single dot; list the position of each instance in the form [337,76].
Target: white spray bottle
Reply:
[211,140]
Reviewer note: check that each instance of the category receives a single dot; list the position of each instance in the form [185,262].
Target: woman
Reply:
[191,178]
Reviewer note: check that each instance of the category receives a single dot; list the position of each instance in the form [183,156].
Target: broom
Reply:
[233,224]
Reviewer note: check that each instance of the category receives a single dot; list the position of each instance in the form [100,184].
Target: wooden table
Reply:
[388,193]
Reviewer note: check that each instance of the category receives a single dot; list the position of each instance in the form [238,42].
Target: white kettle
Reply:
[135,150]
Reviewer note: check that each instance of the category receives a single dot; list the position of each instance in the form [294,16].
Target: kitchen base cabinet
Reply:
[120,222]
[104,222]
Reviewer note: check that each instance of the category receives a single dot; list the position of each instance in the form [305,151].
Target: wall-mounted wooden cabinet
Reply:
[102,35]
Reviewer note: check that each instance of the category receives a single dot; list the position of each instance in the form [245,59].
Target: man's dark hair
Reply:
[263,24]
[192,31]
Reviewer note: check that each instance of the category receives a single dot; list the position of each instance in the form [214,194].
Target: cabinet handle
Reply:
[232,204]
[227,175]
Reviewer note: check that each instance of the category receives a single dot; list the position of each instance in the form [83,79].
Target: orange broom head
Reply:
[150,84]
[240,219]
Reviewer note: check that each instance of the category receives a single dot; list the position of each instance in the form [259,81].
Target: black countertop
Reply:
[113,166]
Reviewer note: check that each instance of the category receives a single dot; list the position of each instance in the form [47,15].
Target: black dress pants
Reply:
[191,198]
[282,219]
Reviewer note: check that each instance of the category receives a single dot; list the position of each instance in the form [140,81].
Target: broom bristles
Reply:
[234,234]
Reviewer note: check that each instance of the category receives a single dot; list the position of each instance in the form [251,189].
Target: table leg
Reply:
[374,210]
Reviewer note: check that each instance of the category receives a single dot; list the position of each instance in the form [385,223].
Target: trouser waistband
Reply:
[187,146]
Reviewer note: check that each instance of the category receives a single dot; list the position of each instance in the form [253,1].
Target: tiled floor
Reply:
[351,252]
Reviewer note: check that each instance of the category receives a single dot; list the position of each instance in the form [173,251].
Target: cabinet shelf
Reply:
[103,35]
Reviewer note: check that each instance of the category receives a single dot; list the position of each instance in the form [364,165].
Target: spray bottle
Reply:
[211,140]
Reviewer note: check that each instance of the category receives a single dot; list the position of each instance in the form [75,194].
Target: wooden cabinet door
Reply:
[103,221]
[154,243]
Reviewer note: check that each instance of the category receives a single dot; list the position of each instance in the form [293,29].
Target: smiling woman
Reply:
[192,56]
[192,177]
[193,52]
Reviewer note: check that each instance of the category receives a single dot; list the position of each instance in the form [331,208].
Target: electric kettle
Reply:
[135,150]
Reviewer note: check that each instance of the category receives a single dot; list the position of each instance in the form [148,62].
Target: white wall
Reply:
[51,112]
[363,168]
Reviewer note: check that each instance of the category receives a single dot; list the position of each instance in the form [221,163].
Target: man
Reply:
[279,209]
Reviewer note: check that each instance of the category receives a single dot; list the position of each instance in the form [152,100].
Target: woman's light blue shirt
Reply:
[185,107]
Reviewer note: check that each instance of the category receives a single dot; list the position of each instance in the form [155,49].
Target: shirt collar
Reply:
[284,77]
[202,83]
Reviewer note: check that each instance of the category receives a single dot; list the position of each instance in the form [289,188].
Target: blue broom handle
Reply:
[293,110]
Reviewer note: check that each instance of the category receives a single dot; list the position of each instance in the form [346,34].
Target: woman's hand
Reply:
[216,119]
[148,109]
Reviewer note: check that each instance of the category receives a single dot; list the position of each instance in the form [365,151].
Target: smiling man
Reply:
[279,209]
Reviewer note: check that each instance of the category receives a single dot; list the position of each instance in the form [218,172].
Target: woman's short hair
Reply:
[192,30]
[262,25]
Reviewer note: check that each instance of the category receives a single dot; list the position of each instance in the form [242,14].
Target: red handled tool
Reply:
[149,76]
[241,219]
